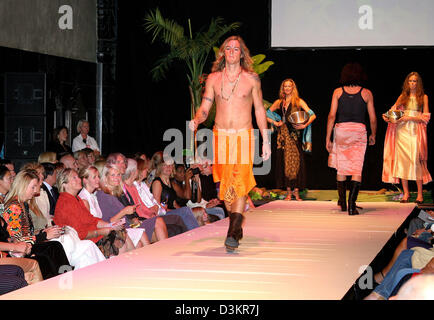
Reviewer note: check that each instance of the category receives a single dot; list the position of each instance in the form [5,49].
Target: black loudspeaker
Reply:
[25,120]
[25,94]
[25,136]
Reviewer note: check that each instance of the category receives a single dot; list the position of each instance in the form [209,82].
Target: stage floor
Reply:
[290,250]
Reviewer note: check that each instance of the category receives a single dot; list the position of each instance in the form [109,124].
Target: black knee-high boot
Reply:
[352,197]
[342,192]
[235,231]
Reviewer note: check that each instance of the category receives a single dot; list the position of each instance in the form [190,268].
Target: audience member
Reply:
[47,156]
[91,182]
[6,180]
[11,278]
[49,254]
[90,156]
[69,161]
[175,220]
[82,160]
[10,165]
[417,288]
[156,159]
[46,201]
[39,220]
[83,140]
[165,195]
[71,211]
[113,209]
[58,144]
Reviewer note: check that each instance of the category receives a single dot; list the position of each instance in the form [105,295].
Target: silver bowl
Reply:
[394,116]
[298,117]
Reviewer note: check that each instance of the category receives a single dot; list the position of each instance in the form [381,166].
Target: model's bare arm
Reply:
[206,104]
[260,114]
[331,120]
[372,118]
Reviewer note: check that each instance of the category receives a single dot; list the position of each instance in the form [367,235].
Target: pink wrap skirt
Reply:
[349,147]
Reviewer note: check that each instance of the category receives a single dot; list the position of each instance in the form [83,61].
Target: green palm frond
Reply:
[166,30]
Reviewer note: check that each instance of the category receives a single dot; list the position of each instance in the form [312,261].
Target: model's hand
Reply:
[299,126]
[192,125]
[266,151]
[278,123]
[371,140]
[329,146]
[385,118]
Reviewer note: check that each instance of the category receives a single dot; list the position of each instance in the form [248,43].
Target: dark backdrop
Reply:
[156,107]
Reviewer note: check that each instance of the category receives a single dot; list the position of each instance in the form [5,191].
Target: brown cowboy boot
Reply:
[235,231]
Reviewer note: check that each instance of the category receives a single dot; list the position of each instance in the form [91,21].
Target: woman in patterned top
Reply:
[49,254]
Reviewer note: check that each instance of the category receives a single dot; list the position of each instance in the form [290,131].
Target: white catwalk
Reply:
[290,250]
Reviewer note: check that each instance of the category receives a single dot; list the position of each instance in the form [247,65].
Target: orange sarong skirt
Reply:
[233,162]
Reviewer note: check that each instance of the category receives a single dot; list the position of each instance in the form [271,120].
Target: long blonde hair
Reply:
[295,98]
[114,191]
[405,94]
[246,61]
[20,184]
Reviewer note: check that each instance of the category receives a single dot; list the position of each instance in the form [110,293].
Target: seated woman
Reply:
[165,195]
[174,221]
[113,209]
[12,253]
[40,219]
[32,272]
[144,192]
[49,254]
[91,181]
[71,211]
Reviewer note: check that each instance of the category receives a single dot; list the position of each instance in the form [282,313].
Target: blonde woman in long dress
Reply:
[405,145]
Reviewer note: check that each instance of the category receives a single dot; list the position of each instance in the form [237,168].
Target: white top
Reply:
[95,210]
[78,144]
[147,197]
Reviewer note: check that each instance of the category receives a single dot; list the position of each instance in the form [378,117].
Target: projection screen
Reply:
[351,23]
[65,28]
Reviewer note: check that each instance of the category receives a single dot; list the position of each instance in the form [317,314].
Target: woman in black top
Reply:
[349,106]
[58,145]
[166,196]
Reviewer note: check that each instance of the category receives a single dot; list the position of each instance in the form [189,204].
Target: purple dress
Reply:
[110,206]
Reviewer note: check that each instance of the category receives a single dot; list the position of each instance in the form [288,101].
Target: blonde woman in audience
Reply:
[157,158]
[91,182]
[48,156]
[115,205]
[49,254]
[71,211]
[32,272]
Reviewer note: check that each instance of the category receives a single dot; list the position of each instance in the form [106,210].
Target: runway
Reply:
[290,251]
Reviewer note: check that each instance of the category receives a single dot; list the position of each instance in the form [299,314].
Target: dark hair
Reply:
[5,161]
[48,169]
[352,74]
[57,131]
[87,151]
[3,171]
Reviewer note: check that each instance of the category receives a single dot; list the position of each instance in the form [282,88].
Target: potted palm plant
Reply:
[192,49]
